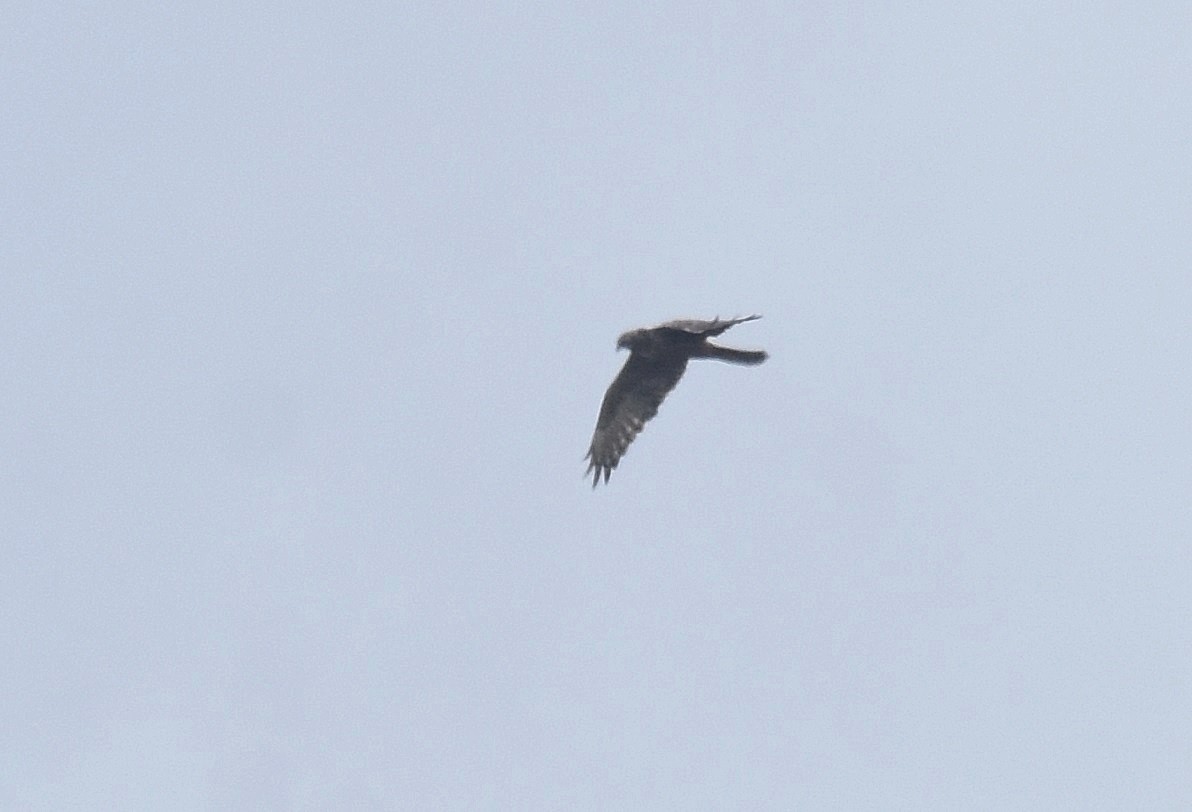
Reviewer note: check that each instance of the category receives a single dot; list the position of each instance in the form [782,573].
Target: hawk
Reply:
[657,359]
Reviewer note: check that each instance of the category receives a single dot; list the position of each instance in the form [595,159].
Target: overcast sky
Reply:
[307,311]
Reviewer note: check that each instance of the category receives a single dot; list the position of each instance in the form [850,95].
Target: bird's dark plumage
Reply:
[657,359]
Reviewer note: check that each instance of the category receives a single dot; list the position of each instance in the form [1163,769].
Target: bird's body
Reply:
[657,359]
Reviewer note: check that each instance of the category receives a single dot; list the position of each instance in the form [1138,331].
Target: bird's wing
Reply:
[631,400]
[704,328]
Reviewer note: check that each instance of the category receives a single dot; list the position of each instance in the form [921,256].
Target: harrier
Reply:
[657,359]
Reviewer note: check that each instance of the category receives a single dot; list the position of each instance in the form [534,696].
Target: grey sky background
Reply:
[307,314]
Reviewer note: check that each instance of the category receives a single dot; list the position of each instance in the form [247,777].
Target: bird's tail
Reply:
[750,357]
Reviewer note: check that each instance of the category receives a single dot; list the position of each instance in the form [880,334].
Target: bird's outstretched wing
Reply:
[631,400]
[704,328]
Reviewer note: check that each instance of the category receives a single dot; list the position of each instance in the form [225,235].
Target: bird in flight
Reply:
[657,359]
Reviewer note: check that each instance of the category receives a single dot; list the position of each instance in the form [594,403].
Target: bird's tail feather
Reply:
[750,357]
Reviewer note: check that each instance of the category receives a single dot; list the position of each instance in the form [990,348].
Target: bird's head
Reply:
[631,339]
